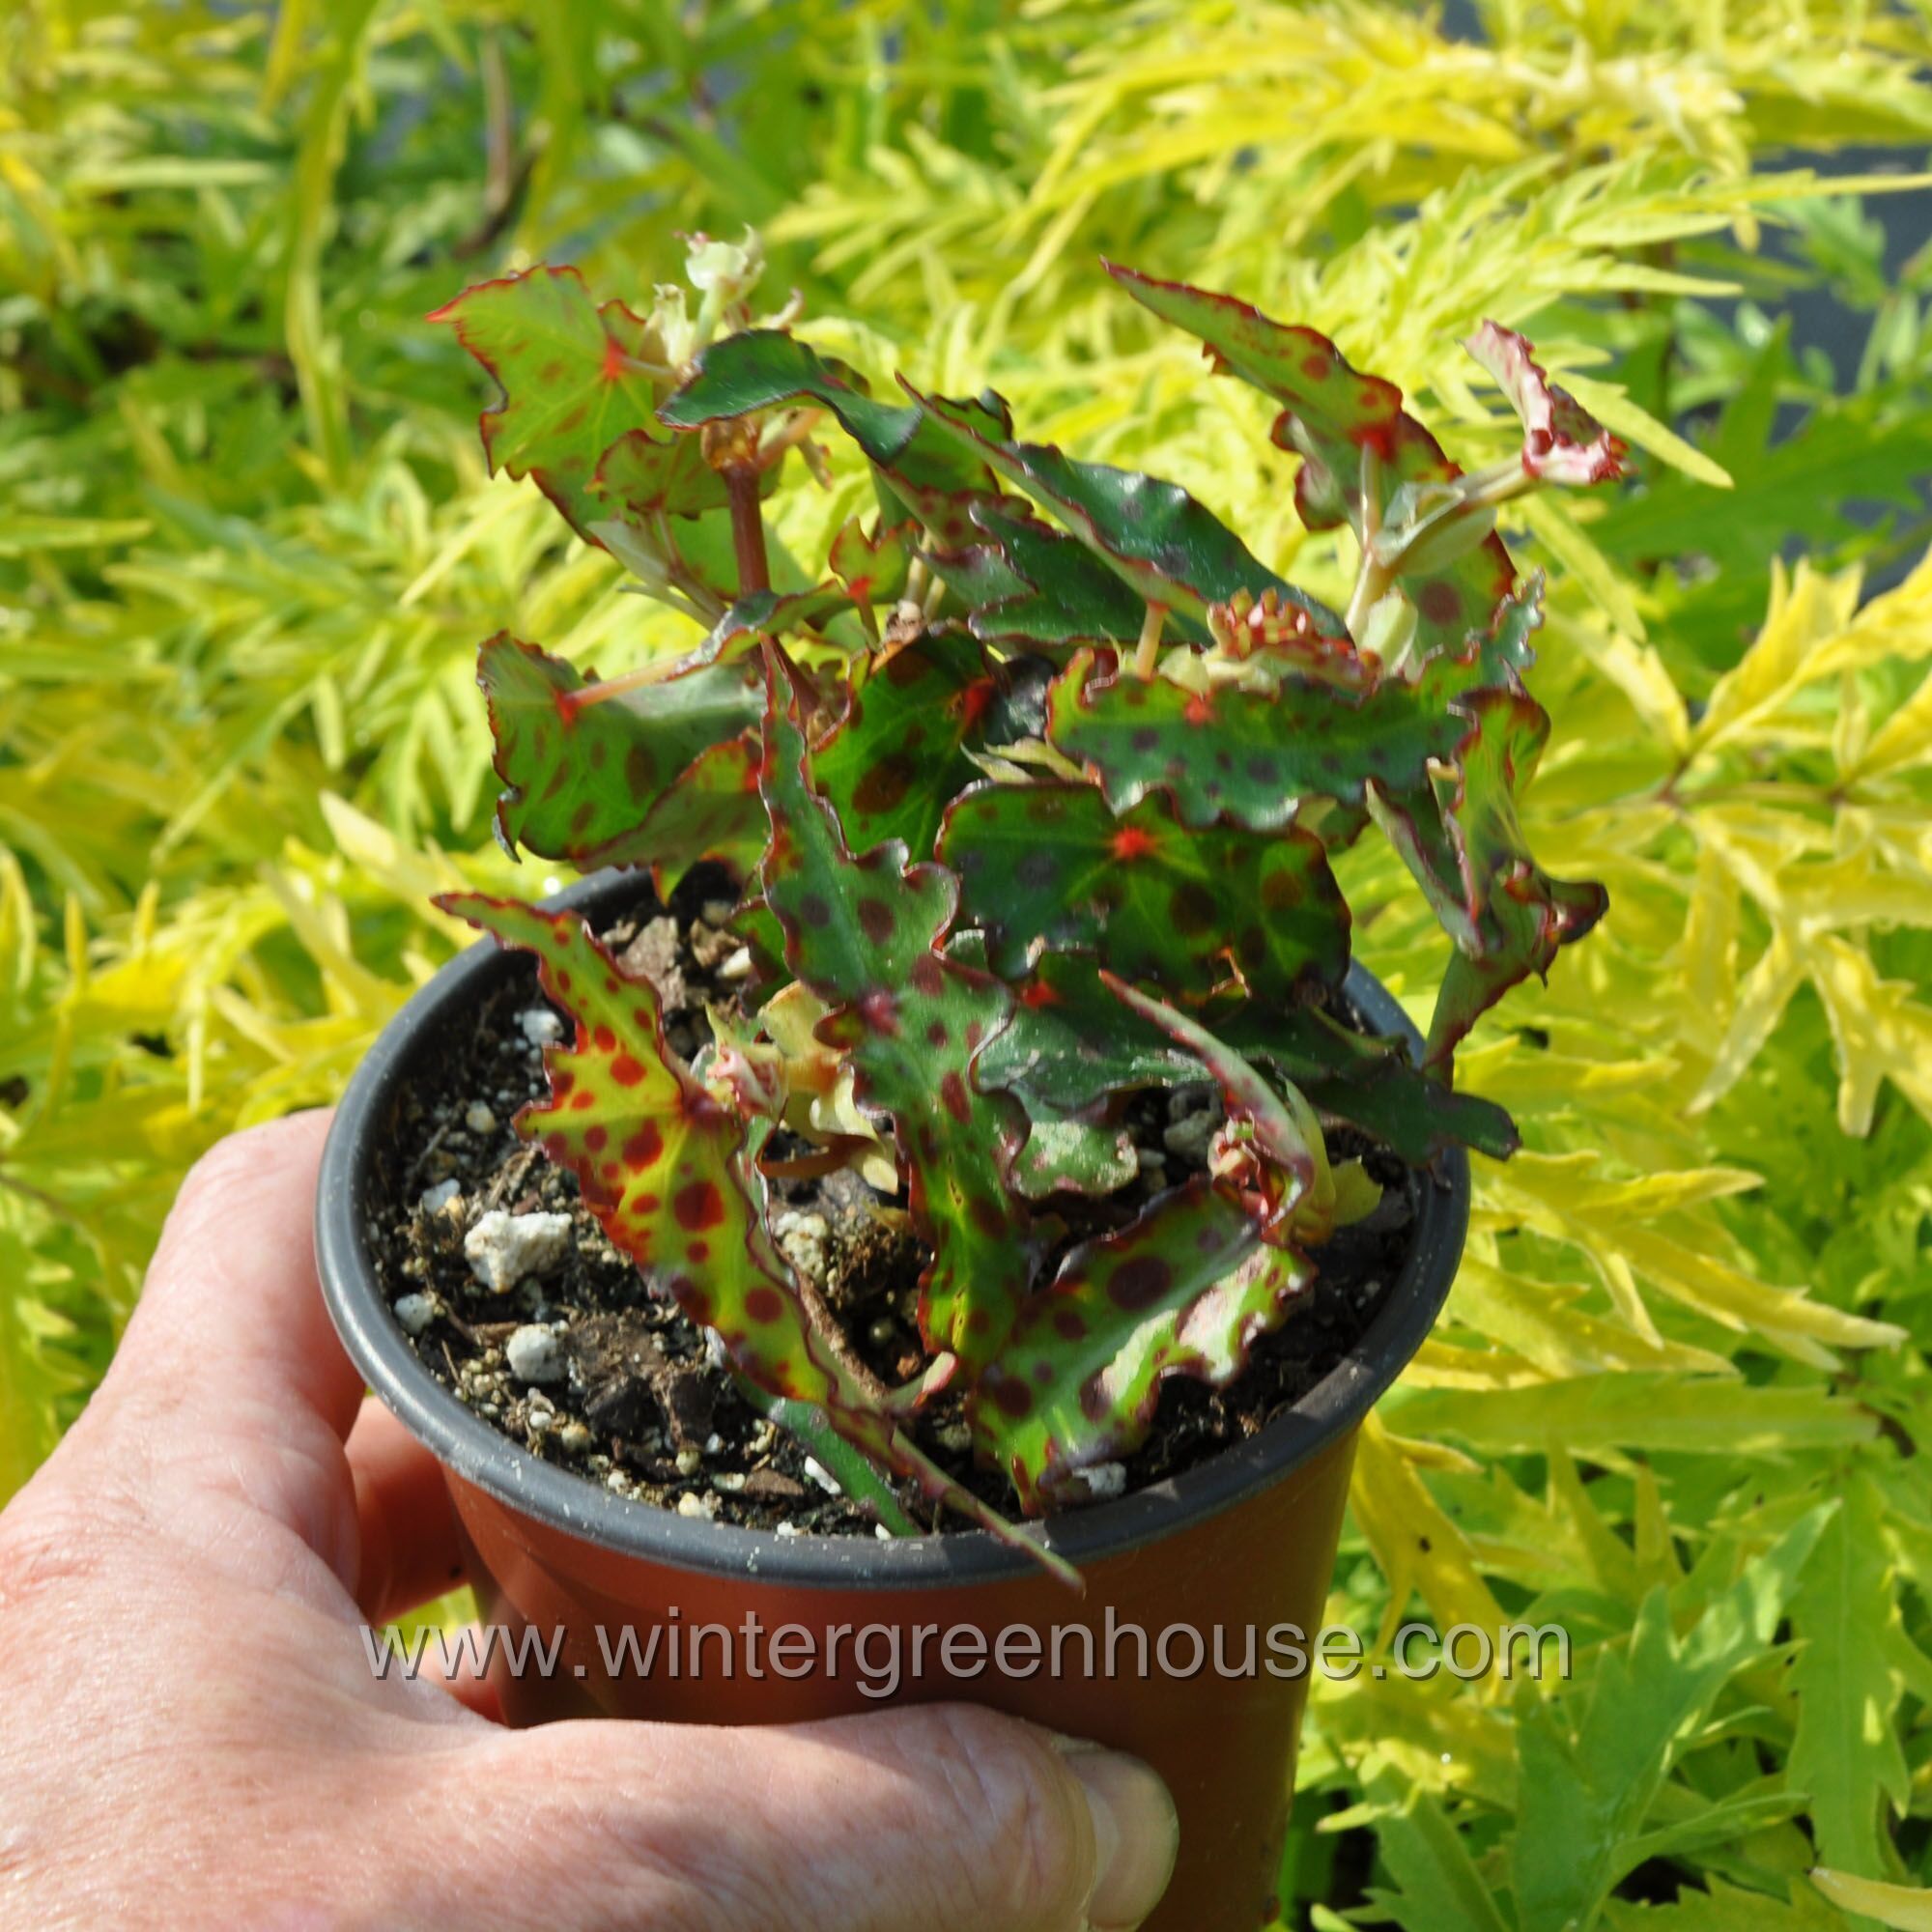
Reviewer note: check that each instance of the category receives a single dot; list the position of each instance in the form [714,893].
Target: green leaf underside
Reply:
[1519,915]
[1168,548]
[889,767]
[1071,1042]
[921,468]
[1333,412]
[1369,1081]
[662,475]
[862,934]
[762,614]
[1249,757]
[664,1167]
[1185,1289]
[581,780]
[1076,1157]
[1049,866]
[567,369]
[1030,583]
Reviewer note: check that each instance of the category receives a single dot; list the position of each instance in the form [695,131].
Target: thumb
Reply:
[946,1818]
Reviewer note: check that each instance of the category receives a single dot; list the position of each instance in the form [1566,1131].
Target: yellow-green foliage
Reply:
[247,548]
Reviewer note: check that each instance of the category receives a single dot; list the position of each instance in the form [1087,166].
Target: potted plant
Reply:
[951,1157]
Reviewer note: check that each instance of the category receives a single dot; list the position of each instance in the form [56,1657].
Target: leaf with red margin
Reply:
[1250,757]
[1186,1289]
[918,465]
[1562,441]
[1069,1043]
[571,380]
[863,934]
[1030,583]
[1168,548]
[871,568]
[1518,914]
[581,779]
[1371,1081]
[712,811]
[1333,414]
[894,763]
[762,614]
[665,1169]
[662,475]
[1050,866]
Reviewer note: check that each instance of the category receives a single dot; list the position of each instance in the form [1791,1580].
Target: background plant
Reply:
[248,550]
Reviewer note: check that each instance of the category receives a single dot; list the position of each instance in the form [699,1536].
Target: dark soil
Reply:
[633,1398]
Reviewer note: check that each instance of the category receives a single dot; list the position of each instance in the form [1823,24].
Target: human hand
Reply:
[190,1733]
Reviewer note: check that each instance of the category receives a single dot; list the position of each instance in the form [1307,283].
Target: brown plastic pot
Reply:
[1244,1543]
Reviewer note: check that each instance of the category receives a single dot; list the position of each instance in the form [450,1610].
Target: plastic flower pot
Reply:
[1245,1542]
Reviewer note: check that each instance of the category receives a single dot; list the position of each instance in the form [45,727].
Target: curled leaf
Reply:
[1562,441]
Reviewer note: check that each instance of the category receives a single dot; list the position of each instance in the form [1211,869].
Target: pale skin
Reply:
[190,1733]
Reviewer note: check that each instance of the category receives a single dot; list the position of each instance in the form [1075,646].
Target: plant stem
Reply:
[748,528]
[1147,653]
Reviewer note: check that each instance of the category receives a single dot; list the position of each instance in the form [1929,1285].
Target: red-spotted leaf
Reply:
[575,376]
[897,758]
[1031,584]
[665,1169]
[711,810]
[1562,441]
[1186,1289]
[1050,866]
[1334,415]
[920,467]
[1068,1042]
[1250,757]
[865,936]
[661,475]
[582,776]
[1168,548]
[871,568]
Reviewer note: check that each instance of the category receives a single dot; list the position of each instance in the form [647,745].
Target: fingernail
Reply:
[1136,1834]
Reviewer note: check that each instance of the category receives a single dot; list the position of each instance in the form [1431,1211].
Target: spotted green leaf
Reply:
[1168,548]
[652,476]
[918,465]
[1186,1289]
[865,936]
[1251,757]
[664,1167]
[576,376]
[1027,583]
[1050,866]
[1069,1043]
[1519,914]
[894,760]
[872,568]
[1067,1154]
[580,777]
[1334,417]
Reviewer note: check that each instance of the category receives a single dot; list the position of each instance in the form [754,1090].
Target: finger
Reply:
[948,1818]
[231,1316]
[456,1666]
[405,1526]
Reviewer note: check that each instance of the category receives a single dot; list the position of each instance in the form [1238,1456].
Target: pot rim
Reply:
[475,1450]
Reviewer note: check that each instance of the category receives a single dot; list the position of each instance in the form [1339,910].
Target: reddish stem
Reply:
[748,528]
